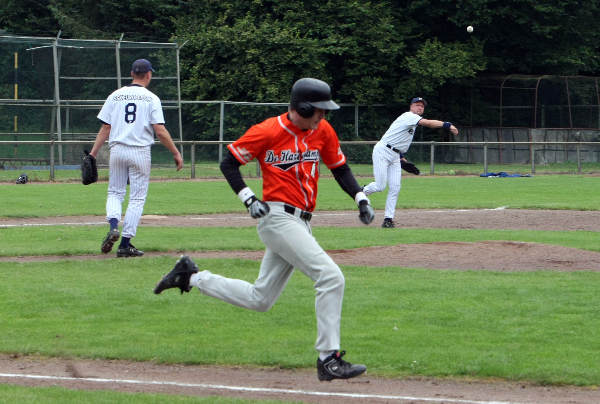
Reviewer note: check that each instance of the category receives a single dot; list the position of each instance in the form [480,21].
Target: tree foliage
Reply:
[370,51]
[243,51]
[140,20]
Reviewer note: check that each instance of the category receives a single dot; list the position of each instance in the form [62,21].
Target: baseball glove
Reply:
[23,179]
[410,167]
[89,170]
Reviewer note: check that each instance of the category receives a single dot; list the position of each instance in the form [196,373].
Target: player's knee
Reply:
[339,281]
[263,306]
[117,194]
[395,188]
[137,200]
[261,302]
[332,280]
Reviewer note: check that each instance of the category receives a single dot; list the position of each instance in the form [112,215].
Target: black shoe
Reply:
[333,367]
[110,239]
[388,223]
[179,277]
[130,251]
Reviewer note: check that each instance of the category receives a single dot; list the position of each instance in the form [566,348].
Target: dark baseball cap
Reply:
[418,99]
[141,66]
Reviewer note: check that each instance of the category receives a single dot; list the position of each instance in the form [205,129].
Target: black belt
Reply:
[302,214]
[394,149]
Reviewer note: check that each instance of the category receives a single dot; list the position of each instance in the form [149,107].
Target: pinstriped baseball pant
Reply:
[290,244]
[133,163]
[387,170]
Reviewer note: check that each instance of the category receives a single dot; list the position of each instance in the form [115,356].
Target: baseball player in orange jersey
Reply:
[288,148]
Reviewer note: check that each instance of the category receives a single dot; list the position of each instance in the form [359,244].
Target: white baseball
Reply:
[470,29]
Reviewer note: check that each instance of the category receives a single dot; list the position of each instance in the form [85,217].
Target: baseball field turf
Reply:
[538,326]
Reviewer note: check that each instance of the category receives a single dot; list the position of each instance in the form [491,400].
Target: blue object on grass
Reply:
[503,174]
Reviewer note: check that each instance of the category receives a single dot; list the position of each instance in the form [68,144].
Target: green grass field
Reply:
[574,192]
[541,326]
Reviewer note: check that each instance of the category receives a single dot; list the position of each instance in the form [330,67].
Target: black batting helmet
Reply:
[22,179]
[308,94]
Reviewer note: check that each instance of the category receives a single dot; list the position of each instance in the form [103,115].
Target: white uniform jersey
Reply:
[131,111]
[400,133]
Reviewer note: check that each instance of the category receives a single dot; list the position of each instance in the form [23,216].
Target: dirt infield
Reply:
[302,385]
[490,255]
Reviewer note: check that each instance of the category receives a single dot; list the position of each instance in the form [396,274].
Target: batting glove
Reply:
[256,207]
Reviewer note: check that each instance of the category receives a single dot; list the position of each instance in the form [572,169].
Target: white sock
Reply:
[325,354]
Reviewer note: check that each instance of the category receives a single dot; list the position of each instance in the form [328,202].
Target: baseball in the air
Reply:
[470,29]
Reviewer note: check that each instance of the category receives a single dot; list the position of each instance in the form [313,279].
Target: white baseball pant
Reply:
[387,171]
[133,163]
[290,244]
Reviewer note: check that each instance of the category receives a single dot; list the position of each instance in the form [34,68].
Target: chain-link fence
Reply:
[51,89]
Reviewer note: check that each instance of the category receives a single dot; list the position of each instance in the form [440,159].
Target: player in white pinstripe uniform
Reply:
[131,116]
[390,150]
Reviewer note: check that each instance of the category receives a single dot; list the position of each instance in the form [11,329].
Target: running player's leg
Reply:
[380,170]
[273,276]
[394,181]
[139,178]
[117,182]
[291,238]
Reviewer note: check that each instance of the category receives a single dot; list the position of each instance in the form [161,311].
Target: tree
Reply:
[141,20]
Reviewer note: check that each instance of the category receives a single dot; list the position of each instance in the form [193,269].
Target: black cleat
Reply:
[388,223]
[111,238]
[333,367]
[179,277]
[130,251]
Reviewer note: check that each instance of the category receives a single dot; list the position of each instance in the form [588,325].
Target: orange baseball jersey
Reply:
[289,158]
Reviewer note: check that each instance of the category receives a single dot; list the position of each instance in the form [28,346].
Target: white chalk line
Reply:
[252,389]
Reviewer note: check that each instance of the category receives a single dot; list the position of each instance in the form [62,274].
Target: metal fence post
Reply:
[179,94]
[579,158]
[221,124]
[52,160]
[485,158]
[57,94]
[193,159]
[432,158]
[532,157]
[118,60]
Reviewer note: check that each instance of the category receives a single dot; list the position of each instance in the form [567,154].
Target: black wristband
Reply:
[250,201]
[446,125]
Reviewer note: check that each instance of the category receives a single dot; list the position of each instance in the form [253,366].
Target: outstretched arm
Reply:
[434,123]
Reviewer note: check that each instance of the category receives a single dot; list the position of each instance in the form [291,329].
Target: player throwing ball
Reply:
[388,154]
[130,117]
[288,148]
